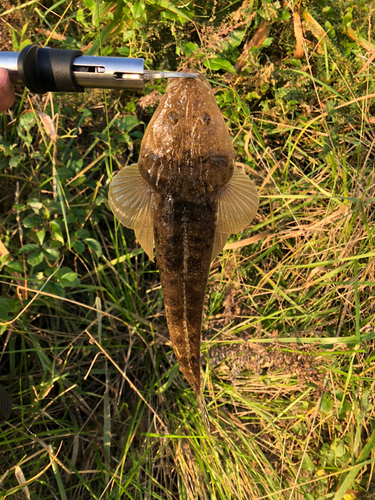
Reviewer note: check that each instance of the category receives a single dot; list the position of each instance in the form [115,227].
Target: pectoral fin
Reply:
[236,207]
[130,199]
[219,243]
[145,238]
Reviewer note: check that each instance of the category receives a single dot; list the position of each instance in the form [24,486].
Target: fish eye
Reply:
[172,117]
[206,118]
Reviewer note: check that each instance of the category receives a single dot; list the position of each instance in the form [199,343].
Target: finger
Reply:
[6,90]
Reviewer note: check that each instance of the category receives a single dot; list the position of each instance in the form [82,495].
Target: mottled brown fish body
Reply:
[184,235]
[185,195]
[186,168]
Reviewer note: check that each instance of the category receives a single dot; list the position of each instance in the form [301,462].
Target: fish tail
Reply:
[203,411]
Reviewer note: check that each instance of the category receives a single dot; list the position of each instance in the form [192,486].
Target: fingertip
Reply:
[3,77]
[6,90]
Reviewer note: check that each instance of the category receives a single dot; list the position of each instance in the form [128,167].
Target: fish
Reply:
[186,196]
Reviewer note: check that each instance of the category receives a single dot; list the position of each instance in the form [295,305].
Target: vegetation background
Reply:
[100,409]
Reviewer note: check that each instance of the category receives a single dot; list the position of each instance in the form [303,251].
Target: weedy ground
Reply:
[100,409]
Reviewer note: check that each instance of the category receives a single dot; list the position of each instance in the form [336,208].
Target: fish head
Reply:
[187,147]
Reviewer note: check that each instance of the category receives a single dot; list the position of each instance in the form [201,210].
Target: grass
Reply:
[100,409]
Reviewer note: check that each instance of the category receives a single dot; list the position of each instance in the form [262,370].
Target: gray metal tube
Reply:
[109,72]
[8,60]
[92,71]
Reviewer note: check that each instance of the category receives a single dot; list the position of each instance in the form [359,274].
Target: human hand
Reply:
[6,91]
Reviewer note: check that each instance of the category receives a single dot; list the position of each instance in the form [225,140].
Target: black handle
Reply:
[48,70]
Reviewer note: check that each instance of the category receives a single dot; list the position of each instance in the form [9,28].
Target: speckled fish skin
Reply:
[186,158]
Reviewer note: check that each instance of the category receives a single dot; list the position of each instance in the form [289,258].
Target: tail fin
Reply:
[203,411]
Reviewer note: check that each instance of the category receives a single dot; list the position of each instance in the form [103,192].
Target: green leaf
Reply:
[65,276]
[326,403]
[7,148]
[80,18]
[32,220]
[138,9]
[338,447]
[55,244]
[124,51]
[219,63]
[81,179]
[50,270]
[69,219]
[8,310]
[13,266]
[15,43]
[15,161]
[35,258]
[29,248]
[233,40]
[348,18]
[365,401]
[81,234]
[99,200]
[35,205]
[90,4]
[19,206]
[184,16]
[267,42]
[60,272]
[78,246]
[346,407]
[57,235]
[56,224]
[51,253]
[308,464]
[68,279]
[57,289]
[94,245]
[189,48]
[26,121]
[65,173]
[168,15]
[33,237]
[40,236]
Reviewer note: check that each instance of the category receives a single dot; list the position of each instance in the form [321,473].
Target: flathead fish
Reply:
[186,196]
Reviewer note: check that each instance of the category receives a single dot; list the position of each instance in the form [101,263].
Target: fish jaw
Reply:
[184,235]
